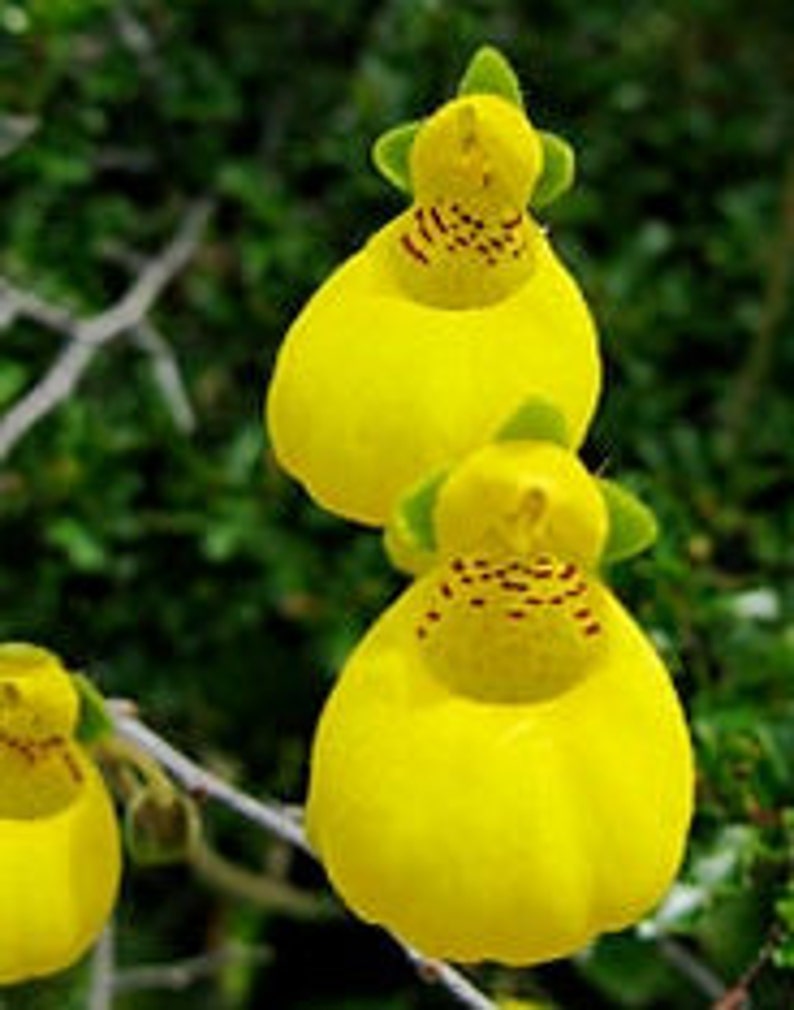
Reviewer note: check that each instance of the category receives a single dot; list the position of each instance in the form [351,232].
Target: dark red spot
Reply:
[420,223]
[592,629]
[458,565]
[567,572]
[410,248]
[477,601]
[433,615]
[514,222]
[438,220]
[446,590]
[583,614]
[516,615]
[555,601]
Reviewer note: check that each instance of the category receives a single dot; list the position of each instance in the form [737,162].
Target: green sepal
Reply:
[632,525]
[489,73]
[391,154]
[410,537]
[160,831]
[536,420]
[559,170]
[94,722]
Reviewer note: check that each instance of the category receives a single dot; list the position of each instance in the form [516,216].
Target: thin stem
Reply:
[236,880]
[702,977]
[178,975]
[100,994]
[202,783]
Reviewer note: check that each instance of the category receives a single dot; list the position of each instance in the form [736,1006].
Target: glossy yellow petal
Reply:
[480,817]
[372,389]
[59,841]
[58,881]
[426,341]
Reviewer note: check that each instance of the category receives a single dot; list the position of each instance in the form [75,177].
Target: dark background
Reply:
[188,573]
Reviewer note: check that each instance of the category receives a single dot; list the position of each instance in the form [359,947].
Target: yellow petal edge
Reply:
[59,840]
[418,348]
[503,770]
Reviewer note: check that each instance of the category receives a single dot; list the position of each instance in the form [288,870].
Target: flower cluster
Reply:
[503,770]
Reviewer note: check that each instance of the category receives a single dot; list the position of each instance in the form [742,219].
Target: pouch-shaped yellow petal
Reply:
[426,341]
[481,818]
[59,841]
[58,881]
[372,390]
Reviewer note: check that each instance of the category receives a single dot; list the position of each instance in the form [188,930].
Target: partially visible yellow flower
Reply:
[416,350]
[503,770]
[59,844]
[514,1003]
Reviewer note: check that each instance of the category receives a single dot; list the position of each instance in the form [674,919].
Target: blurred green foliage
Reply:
[186,572]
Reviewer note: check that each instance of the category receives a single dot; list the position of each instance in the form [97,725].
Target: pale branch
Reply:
[100,992]
[703,978]
[276,820]
[86,336]
[202,783]
[167,375]
[178,975]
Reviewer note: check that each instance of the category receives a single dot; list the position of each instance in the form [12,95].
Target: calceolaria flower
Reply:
[419,346]
[59,841]
[503,770]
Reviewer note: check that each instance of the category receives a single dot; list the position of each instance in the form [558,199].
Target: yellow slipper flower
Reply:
[59,844]
[503,770]
[420,345]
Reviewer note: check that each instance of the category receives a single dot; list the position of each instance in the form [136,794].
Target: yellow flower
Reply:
[59,845]
[421,344]
[503,770]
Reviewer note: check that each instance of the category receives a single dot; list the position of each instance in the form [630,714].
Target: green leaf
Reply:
[94,722]
[410,538]
[559,169]
[632,525]
[536,420]
[391,154]
[489,73]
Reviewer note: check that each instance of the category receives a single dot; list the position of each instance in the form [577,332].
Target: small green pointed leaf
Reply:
[489,73]
[536,420]
[632,525]
[559,169]
[94,722]
[410,538]
[391,154]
